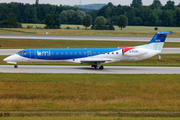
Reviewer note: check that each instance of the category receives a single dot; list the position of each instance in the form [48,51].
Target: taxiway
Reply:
[100,38]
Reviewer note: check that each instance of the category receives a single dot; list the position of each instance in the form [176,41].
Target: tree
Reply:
[169,18]
[178,17]
[12,19]
[113,20]
[87,21]
[72,17]
[145,11]
[64,16]
[37,2]
[152,19]
[156,4]
[136,3]
[100,20]
[30,14]
[137,21]
[79,16]
[49,22]
[170,5]
[93,15]
[57,23]
[122,21]
[130,15]
[106,10]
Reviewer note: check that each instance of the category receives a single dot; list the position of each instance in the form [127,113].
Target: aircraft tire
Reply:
[15,66]
[101,67]
[95,67]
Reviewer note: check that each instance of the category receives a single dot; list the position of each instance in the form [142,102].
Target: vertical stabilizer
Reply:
[157,42]
[160,37]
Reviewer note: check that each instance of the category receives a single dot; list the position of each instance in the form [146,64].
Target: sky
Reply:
[84,2]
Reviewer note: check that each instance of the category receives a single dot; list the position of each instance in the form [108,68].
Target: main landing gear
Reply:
[15,66]
[96,67]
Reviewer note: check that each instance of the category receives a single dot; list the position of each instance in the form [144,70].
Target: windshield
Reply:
[22,52]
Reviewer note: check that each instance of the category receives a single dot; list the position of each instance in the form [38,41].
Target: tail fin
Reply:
[157,42]
[160,37]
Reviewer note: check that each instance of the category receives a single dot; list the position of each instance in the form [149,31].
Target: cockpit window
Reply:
[22,52]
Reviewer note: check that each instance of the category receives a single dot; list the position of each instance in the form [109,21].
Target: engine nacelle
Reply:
[135,52]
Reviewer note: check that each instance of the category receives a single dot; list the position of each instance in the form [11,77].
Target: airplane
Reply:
[93,56]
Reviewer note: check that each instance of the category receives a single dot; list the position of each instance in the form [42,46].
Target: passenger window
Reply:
[112,52]
[99,52]
[62,53]
[57,53]
[80,53]
[84,53]
[94,53]
[103,52]
[52,53]
[47,53]
[116,52]
[66,53]
[70,53]
[108,53]
[75,53]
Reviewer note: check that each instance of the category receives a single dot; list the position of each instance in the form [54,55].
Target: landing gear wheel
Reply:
[15,66]
[101,67]
[95,67]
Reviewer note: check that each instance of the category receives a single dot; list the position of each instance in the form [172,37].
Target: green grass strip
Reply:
[89,92]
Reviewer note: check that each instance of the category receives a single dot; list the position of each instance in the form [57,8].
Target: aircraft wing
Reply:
[96,60]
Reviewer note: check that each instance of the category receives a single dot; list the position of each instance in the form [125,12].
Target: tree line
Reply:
[154,15]
[35,13]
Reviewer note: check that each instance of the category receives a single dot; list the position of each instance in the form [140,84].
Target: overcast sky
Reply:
[84,2]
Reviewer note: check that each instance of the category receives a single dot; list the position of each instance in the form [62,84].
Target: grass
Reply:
[36,43]
[89,92]
[128,28]
[87,118]
[131,32]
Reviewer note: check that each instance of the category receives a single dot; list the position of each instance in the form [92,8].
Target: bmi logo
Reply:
[157,40]
[43,53]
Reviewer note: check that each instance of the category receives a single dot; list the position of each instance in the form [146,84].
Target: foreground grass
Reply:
[166,60]
[36,43]
[86,118]
[134,33]
[89,92]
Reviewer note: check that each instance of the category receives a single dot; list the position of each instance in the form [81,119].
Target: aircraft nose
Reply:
[10,58]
